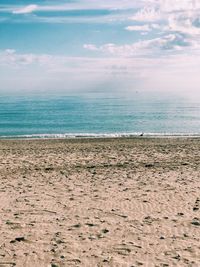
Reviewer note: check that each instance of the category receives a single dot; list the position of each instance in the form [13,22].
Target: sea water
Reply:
[46,115]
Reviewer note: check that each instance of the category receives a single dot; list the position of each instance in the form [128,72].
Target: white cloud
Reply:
[176,19]
[10,57]
[76,5]
[184,23]
[175,15]
[178,5]
[116,11]
[26,9]
[161,45]
[90,47]
[162,15]
[147,14]
[145,28]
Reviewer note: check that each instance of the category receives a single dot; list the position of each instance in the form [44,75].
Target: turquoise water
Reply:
[97,115]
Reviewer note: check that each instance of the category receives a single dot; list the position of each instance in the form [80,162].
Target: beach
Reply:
[100,202]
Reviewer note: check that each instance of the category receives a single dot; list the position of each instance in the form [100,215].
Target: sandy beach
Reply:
[100,202]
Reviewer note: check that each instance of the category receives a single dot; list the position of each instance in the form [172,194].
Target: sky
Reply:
[100,45]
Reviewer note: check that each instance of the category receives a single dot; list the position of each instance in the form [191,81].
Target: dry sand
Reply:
[111,202]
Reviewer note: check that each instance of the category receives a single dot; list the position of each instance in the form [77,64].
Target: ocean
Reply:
[98,115]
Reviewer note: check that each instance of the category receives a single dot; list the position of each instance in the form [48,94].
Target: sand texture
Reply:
[111,202]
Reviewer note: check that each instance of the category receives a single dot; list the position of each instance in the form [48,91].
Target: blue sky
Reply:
[100,45]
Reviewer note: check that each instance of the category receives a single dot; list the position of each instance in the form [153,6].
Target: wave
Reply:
[97,135]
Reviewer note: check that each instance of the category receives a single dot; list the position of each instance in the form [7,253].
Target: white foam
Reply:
[98,135]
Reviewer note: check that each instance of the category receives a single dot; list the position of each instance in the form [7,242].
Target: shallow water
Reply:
[97,114]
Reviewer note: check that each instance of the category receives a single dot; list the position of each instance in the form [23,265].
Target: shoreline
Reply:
[100,136]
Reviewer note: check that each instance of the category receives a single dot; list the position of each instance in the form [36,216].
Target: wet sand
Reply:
[100,202]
